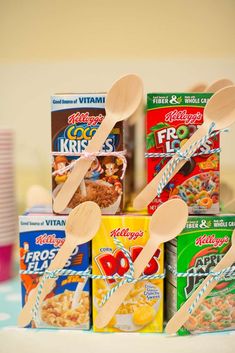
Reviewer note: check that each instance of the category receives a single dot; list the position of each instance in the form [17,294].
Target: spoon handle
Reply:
[110,307]
[58,262]
[150,190]
[182,315]
[81,166]
[78,293]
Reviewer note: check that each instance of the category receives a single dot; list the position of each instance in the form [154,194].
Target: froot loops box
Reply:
[75,119]
[171,120]
[142,310]
[68,304]
[196,251]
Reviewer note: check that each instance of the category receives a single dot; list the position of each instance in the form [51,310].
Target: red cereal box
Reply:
[170,121]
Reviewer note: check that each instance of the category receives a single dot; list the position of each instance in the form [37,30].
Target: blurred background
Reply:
[79,46]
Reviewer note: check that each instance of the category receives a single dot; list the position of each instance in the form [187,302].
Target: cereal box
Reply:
[41,236]
[74,120]
[170,121]
[142,309]
[198,249]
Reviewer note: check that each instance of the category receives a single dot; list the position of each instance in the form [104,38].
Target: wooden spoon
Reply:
[82,224]
[219,109]
[165,224]
[217,85]
[182,314]
[198,87]
[122,101]
[213,87]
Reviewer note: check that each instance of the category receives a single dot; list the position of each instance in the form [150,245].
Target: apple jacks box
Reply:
[197,250]
[142,310]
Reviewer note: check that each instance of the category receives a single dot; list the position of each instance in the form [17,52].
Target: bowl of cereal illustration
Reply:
[57,312]
[99,191]
[139,308]
[214,314]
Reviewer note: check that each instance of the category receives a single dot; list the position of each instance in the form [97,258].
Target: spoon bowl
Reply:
[220,108]
[124,97]
[217,85]
[233,239]
[198,87]
[83,222]
[168,221]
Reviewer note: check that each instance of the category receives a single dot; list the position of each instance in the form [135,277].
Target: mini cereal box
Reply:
[74,120]
[41,236]
[198,249]
[142,309]
[171,121]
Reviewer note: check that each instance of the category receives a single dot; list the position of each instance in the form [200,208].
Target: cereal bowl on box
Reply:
[136,311]
[107,198]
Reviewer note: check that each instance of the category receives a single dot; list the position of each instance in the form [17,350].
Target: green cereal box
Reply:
[198,249]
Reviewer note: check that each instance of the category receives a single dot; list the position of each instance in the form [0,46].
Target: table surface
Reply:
[13,339]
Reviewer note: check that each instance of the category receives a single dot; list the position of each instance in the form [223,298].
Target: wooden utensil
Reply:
[218,84]
[165,224]
[82,224]
[213,87]
[182,314]
[219,109]
[78,293]
[198,87]
[138,114]
[122,101]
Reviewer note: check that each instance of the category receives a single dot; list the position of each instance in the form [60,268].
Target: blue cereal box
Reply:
[68,304]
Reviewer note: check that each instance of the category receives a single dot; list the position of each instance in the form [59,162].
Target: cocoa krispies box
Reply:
[40,238]
[171,120]
[196,251]
[74,120]
[142,310]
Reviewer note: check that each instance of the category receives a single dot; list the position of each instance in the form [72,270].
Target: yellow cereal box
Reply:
[142,309]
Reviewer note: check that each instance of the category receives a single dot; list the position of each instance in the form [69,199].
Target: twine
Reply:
[90,156]
[186,155]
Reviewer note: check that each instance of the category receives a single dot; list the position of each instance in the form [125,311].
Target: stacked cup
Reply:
[8,213]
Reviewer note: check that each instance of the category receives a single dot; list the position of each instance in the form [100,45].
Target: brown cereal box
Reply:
[74,120]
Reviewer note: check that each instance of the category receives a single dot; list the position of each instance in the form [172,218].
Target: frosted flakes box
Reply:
[142,310]
[171,119]
[197,250]
[41,236]
[74,121]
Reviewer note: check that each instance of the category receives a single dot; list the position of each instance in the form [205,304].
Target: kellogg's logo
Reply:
[49,239]
[125,232]
[183,116]
[85,118]
[212,240]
